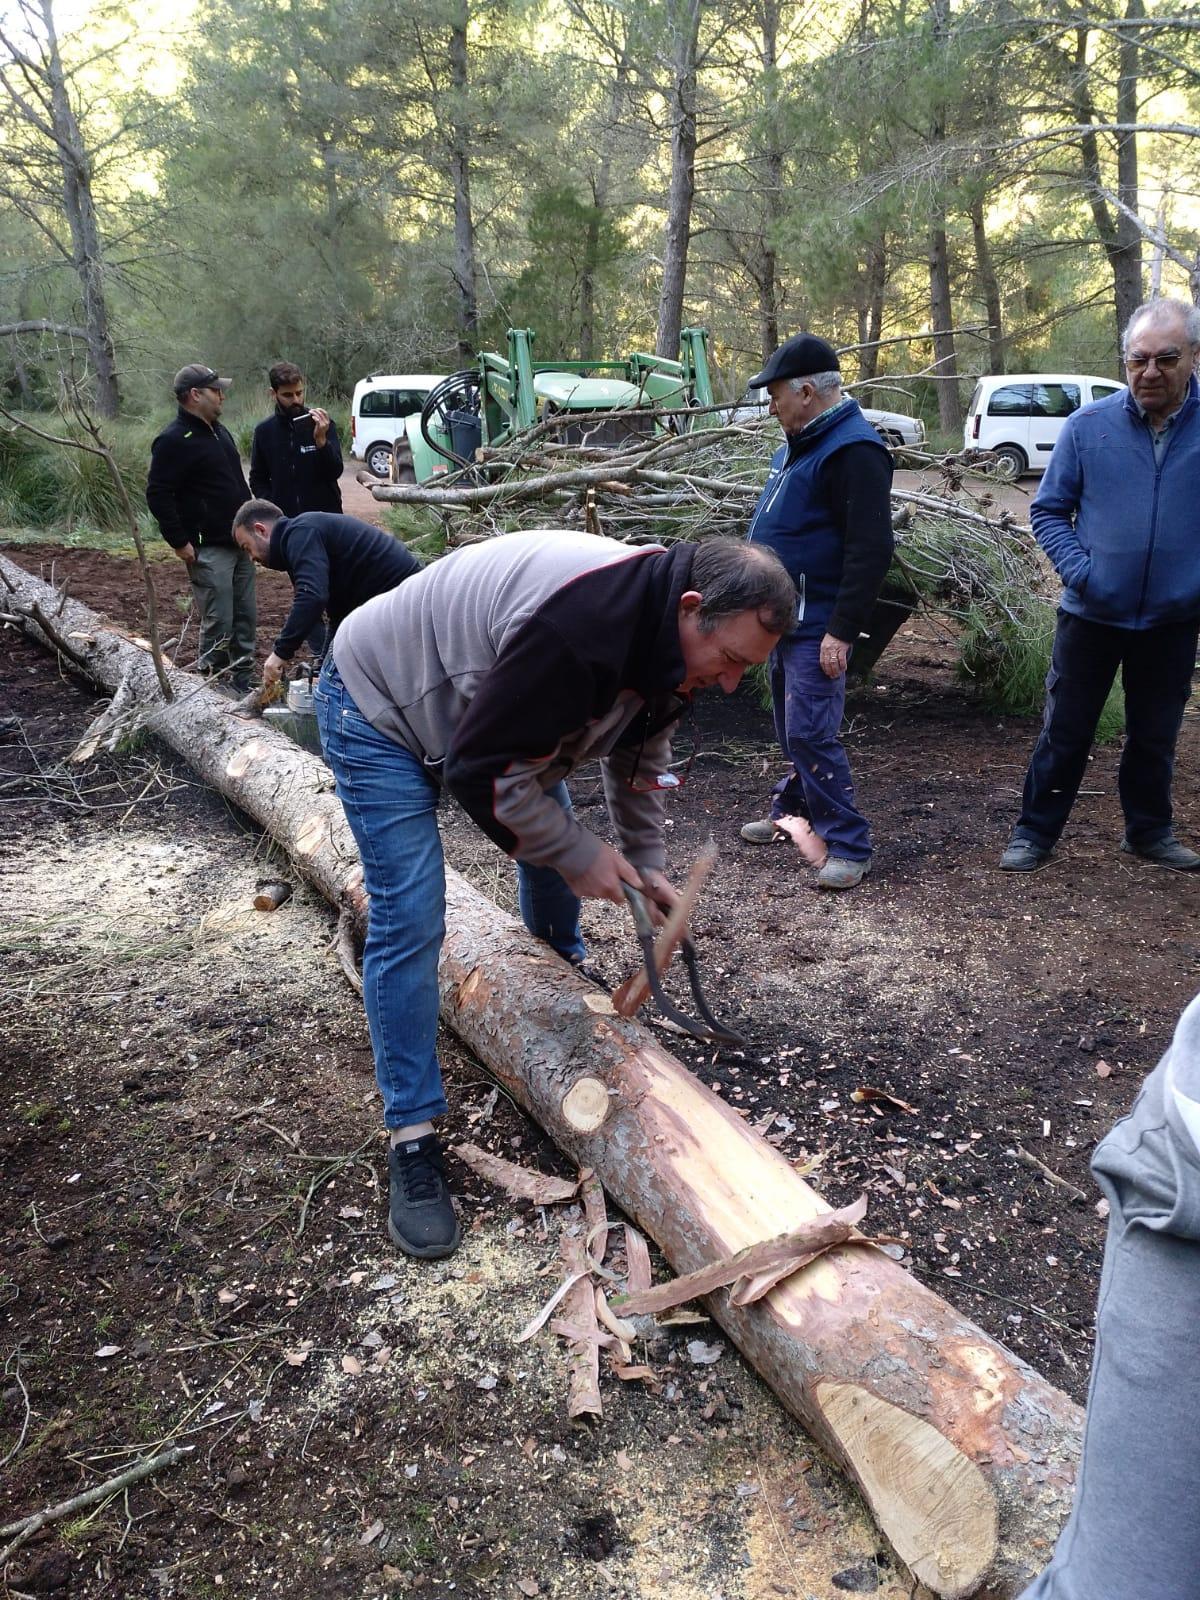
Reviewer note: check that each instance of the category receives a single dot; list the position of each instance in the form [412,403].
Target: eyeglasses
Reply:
[669,781]
[1166,362]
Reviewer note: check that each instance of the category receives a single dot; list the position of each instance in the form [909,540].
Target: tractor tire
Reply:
[402,463]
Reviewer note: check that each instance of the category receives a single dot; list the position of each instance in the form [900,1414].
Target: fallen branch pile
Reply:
[965,1455]
[956,552]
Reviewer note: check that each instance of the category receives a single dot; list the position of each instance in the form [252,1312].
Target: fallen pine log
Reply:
[964,1453]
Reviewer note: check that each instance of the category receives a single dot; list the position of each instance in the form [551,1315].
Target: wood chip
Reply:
[865,1095]
[519,1182]
[819,1233]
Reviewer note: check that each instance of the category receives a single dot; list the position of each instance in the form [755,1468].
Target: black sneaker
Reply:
[421,1217]
[1169,852]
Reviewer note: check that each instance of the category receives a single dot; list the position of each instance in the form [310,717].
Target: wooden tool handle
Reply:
[634,991]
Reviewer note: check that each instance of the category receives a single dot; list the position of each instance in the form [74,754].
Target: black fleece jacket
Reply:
[286,466]
[336,563]
[196,484]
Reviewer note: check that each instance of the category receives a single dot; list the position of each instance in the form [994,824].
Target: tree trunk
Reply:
[601,194]
[942,318]
[767,276]
[1118,232]
[870,310]
[86,250]
[941,306]
[965,1455]
[460,173]
[1127,263]
[989,286]
[682,190]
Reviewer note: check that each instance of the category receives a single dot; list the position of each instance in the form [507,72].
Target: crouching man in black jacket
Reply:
[194,488]
[335,562]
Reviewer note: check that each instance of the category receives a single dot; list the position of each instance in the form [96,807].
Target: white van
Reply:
[377,412]
[1019,416]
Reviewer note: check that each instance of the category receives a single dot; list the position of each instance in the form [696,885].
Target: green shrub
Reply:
[1007,658]
[51,486]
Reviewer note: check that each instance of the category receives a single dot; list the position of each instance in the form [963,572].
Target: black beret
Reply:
[799,357]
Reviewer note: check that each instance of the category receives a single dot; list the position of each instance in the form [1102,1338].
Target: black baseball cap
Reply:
[198,376]
[799,357]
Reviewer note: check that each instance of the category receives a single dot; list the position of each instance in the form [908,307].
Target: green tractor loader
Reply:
[491,404]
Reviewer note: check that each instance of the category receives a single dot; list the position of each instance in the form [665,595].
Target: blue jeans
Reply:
[390,803]
[1156,667]
[808,720]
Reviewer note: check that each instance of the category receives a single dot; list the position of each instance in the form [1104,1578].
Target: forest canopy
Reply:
[363,187]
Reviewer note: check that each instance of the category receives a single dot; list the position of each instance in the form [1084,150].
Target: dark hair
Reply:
[256,511]
[731,576]
[284,372]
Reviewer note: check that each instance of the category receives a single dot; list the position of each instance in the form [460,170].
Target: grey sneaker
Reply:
[1168,852]
[1022,855]
[839,872]
[421,1217]
[764,832]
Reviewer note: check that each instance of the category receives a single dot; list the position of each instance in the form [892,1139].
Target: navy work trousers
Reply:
[1156,667]
[808,720]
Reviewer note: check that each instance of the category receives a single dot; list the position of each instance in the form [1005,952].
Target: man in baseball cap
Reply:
[826,512]
[197,376]
[195,487]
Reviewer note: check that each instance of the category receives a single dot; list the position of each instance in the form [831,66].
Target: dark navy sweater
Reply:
[336,563]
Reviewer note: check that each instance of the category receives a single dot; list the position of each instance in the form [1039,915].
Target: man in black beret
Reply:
[825,510]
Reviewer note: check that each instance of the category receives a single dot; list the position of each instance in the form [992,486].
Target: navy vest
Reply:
[794,516]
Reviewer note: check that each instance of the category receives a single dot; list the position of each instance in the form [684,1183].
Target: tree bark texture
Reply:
[941,306]
[460,171]
[685,17]
[989,287]
[965,1455]
[1118,232]
[80,208]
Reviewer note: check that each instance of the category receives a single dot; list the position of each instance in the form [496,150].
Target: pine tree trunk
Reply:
[465,275]
[682,190]
[78,204]
[965,1455]
[989,286]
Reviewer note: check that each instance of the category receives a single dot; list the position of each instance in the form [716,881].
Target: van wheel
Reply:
[1010,462]
[402,463]
[379,460]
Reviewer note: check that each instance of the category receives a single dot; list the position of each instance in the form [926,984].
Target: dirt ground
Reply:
[191,1244]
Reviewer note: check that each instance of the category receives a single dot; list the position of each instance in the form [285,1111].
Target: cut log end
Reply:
[585,1105]
[271,896]
[931,1500]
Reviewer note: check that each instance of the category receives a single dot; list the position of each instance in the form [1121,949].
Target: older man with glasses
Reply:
[1118,513]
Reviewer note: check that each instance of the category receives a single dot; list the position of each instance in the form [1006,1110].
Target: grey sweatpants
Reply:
[1134,1532]
[222,580]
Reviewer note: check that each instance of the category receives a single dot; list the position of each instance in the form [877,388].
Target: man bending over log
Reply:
[335,563]
[492,674]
